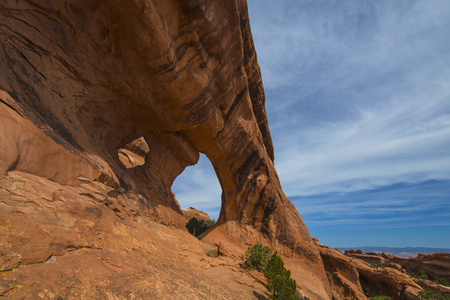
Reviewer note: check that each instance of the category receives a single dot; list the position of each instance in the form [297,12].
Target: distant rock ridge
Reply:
[355,279]
[398,251]
[436,264]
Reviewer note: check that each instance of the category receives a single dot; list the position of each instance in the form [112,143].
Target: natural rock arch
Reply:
[134,153]
[187,86]
[98,75]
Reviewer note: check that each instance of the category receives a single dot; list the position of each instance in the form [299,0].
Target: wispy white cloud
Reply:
[397,143]
[358,92]
[398,206]
[358,100]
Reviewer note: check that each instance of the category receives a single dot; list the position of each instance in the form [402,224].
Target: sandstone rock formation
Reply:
[355,279]
[191,212]
[76,242]
[81,82]
[435,265]
[427,284]
[134,153]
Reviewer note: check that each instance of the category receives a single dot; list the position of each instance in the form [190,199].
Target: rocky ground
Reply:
[62,244]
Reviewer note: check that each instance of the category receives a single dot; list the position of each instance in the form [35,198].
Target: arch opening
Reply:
[198,187]
[134,153]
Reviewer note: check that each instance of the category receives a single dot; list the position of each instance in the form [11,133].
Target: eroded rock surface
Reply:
[191,212]
[76,242]
[435,265]
[134,153]
[81,81]
[354,279]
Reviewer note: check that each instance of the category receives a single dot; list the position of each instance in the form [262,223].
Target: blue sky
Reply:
[358,101]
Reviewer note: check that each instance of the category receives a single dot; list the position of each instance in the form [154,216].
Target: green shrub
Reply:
[374,265]
[428,294]
[197,227]
[330,277]
[442,281]
[279,281]
[212,253]
[256,257]
[425,276]
[380,298]
[411,273]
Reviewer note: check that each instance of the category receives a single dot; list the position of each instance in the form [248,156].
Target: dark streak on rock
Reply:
[237,99]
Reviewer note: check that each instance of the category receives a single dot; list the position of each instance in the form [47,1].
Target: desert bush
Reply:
[425,276]
[428,294]
[212,253]
[441,281]
[279,281]
[330,277]
[256,257]
[374,265]
[380,298]
[197,227]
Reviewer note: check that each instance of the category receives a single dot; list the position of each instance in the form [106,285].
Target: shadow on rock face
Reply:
[92,78]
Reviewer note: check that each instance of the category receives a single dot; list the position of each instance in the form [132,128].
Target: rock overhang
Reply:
[181,74]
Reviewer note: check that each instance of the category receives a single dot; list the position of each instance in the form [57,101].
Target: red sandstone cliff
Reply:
[435,266]
[355,279]
[83,199]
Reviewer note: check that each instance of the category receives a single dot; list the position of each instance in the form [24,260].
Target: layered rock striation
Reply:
[191,212]
[434,265]
[353,278]
[104,103]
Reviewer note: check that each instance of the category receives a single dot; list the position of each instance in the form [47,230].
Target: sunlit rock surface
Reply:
[353,277]
[81,82]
